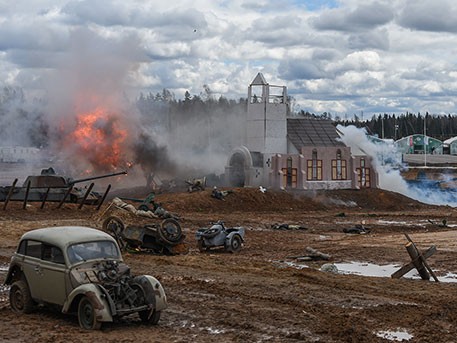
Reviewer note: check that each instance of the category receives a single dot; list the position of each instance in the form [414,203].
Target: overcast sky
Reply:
[342,57]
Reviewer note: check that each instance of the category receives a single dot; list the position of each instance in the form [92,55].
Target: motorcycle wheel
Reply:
[234,245]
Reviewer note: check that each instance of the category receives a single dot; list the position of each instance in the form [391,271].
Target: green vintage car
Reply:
[80,270]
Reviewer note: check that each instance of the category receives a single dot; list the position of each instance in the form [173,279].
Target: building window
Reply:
[314,168]
[339,167]
[363,175]
[290,174]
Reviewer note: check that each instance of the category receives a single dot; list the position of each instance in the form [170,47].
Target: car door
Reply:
[52,275]
[45,272]
[31,266]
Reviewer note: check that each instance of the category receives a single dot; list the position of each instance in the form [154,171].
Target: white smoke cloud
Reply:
[387,162]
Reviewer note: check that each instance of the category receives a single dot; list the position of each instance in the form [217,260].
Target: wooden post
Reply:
[27,190]
[10,193]
[45,198]
[424,262]
[410,266]
[418,261]
[414,254]
[65,197]
[86,195]
[102,200]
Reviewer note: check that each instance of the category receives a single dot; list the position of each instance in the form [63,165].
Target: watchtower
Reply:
[266,126]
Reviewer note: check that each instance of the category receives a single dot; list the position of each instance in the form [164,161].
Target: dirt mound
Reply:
[253,200]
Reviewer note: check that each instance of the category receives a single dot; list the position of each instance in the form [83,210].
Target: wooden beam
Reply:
[10,193]
[45,197]
[432,273]
[86,195]
[417,261]
[27,190]
[102,199]
[410,266]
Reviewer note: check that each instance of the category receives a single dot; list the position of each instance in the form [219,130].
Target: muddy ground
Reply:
[263,293]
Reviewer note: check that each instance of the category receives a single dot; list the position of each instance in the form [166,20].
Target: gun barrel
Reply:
[72,182]
[131,199]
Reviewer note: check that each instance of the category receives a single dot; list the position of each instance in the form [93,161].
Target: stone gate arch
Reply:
[239,165]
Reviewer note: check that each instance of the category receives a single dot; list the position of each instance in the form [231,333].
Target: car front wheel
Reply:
[153,319]
[20,298]
[86,315]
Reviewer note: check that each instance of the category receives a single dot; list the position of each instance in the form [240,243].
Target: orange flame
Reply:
[99,138]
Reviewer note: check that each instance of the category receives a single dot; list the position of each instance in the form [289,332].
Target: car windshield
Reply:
[92,250]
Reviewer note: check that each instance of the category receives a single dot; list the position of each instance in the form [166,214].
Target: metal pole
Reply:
[10,193]
[425,140]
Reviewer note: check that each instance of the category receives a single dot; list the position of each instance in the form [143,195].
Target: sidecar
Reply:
[231,239]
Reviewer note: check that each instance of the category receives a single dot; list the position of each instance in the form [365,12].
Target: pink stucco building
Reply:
[286,152]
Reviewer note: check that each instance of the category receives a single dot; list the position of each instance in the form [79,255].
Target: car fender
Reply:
[13,271]
[233,233]
[94,293]
[159,293]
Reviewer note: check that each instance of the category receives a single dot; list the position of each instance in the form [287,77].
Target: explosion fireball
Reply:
[99,137]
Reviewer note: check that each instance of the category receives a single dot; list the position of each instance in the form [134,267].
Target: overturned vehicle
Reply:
[81,271]
[138,230]
[164,238]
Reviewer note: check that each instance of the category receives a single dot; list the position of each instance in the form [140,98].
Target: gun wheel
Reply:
[170,231]
[114,226]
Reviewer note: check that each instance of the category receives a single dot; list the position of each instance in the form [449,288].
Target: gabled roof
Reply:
[450,140]
[305,132]
[259,80]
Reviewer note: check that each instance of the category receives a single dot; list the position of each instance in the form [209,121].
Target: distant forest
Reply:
[394,126]
[206,117]
[193,107]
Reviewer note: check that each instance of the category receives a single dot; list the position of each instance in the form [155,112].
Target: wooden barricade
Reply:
[418,261]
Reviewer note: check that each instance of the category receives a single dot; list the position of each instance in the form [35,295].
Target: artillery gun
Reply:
[49,186]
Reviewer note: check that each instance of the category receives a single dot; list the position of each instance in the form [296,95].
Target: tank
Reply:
[51,187]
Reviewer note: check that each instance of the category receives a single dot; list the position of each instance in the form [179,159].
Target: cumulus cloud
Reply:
[436,16]
[300,69]
[376,39]
[345,55]
[365,16]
